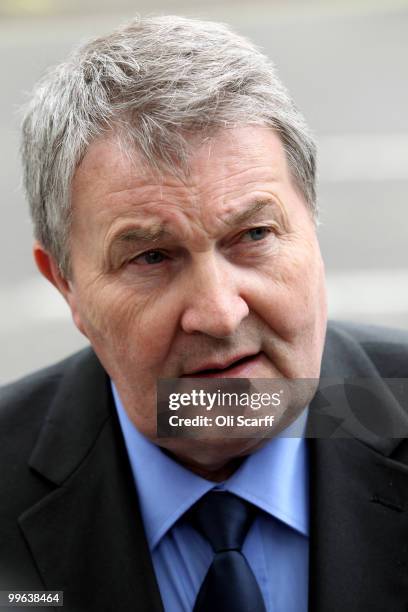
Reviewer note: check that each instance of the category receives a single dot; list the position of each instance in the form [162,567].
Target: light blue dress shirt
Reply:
[274,478]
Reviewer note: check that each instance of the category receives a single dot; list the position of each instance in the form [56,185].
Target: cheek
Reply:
[124,326]
[290,292]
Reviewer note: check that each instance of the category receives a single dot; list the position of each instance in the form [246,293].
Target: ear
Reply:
[51,271]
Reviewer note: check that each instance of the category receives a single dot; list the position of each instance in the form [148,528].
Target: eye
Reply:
[256,233]
[150,258]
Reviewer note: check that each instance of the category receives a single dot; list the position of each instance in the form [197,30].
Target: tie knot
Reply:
[223,519]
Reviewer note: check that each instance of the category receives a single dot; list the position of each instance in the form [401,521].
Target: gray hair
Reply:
[151,81]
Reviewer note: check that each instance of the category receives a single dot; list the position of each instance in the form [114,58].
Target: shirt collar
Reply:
[274,478]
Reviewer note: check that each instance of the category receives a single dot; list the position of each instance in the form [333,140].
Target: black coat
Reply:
[69,513]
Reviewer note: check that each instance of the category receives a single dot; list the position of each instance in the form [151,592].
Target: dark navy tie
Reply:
[230,585]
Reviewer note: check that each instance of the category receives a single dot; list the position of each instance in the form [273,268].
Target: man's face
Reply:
[173,277]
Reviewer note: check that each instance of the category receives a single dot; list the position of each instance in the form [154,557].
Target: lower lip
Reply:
[246,369]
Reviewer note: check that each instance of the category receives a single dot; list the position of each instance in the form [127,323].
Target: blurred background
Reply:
[346,65]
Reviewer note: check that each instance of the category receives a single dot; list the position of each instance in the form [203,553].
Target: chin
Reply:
[210,454]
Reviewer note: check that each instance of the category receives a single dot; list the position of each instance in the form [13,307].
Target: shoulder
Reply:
[38,385]
[386,348]
[24,404]
[25,407]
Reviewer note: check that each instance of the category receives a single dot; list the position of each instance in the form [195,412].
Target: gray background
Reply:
[345,64]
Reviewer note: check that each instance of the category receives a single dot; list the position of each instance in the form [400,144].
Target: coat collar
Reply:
[353,400]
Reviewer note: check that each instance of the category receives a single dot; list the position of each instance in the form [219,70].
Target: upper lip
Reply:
[218,365]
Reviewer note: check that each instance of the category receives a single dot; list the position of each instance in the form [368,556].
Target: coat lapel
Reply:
[359,501]
[87,536]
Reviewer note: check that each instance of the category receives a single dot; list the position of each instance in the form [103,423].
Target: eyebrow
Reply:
[153,233]
[249,212]
[142,234]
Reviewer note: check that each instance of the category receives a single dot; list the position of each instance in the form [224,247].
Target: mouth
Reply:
[232,369]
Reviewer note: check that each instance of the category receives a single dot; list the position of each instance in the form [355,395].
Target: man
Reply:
[171,184]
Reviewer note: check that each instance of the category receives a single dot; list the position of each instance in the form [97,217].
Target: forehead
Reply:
[229,154]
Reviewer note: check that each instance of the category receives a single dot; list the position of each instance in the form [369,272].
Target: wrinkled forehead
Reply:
[216,155]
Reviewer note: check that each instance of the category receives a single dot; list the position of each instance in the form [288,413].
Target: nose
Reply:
[213,303]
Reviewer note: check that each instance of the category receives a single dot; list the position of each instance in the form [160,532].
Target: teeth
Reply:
[212,370]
